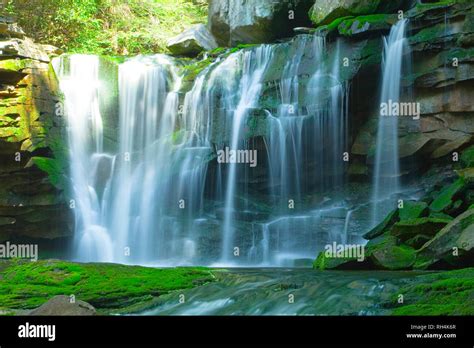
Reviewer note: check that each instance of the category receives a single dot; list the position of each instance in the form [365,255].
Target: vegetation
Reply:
[446,293]
[26,284]
[107,27]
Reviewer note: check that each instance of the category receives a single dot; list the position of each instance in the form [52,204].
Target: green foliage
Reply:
[26,284]
[108,27]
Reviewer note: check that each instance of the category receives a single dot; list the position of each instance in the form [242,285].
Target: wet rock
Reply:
[61,305]
[192,41]
[453,245]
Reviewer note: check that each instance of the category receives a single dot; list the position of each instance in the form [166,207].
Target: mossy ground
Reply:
[108,287]
[446,293]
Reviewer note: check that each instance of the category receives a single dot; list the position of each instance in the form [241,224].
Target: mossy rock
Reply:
[365,24]
[418,241]
[326,11]
[446,196]
[412,210]
[446,293]
[324,262]
[467,157]
[383,226]
[453,246]
[386,252]
[441,216]
[108,287]
[408,229]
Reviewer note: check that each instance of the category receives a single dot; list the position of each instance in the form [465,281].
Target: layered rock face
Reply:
[32,143]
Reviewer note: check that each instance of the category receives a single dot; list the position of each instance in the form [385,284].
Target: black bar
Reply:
[291,331]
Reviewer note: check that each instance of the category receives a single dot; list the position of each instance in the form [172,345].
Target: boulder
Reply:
[453,245]
[412,210]
[364,25]
[61,305]
[447,196]
[235,22]
[408,229]
[380,228]
[325,11]
[387,253]
[192,41]
[8,28]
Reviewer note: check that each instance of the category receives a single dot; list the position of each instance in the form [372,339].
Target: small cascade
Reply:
[386,179]
[253,64]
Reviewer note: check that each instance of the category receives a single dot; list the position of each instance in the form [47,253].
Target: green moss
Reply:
[50,166]
[467,156]
[374,22]
[432,5]
[28,284]
[446,293]
[378,230]
[412,210]
[323,262]
[385,252]
[334,24]
[445,198]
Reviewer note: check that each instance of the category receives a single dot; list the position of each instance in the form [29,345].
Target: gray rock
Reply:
[457,235]
[192,41]
[61,305]
[8,28]
[255,21]
[23,48]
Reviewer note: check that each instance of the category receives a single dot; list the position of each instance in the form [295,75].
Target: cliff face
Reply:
[32,143]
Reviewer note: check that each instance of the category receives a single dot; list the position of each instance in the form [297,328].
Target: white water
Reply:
[386,180]
[145,203]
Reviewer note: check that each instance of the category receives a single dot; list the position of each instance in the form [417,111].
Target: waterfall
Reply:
[253,64]
[79,79]
[156,197]
[386,179]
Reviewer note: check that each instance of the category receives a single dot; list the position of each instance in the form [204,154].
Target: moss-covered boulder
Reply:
[387,253]
[108,287]
[443,293]
[407,229]
[453,245]
[325,11]
[467,156]
[364,25]
[382,227]
[447,196]
[412,210]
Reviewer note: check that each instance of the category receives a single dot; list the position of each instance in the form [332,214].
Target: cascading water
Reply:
[79,78]
[253,64]
[145,201]
[386,166]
